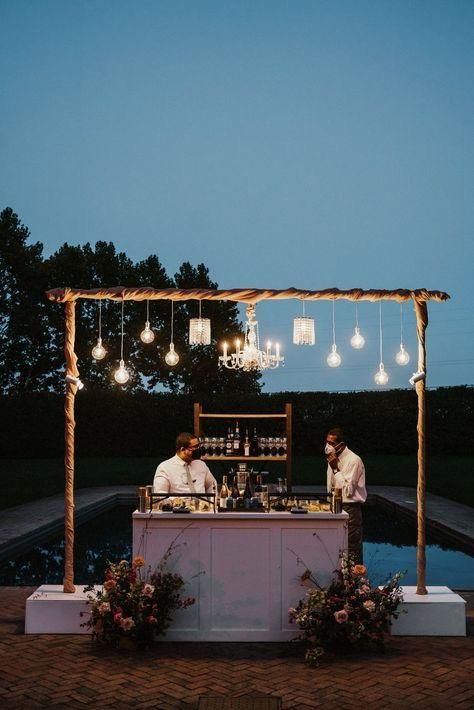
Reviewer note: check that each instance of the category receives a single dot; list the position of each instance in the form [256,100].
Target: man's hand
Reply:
[333,461]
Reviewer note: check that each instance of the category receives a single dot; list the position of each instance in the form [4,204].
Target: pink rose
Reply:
[341,616]
[127,623]
[369,605]
[152,619]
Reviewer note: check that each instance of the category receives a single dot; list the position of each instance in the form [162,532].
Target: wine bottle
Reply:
[237,440]
[254,443]
[224,492]
[246,444]
[229,443]
[235,491]
[247,492]
[258,490]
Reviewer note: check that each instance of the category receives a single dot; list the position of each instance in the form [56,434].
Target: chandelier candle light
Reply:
[172,357]
[251,357]
[98,351]
[357,340]
[199,330]
[402,357]
[303,330]
[333,359]
[381,377]
[121,375]
[147,335]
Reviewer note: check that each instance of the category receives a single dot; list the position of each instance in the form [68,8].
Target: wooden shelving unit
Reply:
[199,415]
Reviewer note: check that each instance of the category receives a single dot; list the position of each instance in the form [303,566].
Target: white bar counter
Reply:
[243,568]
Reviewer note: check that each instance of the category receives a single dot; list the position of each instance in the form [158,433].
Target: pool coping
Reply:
[25,525]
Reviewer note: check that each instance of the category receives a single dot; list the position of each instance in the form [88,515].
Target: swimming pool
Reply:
[389,546]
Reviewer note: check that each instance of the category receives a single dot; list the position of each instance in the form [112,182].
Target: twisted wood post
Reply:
[421,312]
[69,421]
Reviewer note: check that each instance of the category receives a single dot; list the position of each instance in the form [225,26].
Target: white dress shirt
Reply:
[351,477]
[172,477]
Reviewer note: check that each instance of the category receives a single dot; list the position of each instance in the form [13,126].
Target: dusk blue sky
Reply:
[307,144]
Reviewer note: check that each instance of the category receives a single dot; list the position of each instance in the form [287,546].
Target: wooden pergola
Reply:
[69,296]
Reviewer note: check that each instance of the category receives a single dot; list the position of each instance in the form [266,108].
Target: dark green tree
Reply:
[24,351]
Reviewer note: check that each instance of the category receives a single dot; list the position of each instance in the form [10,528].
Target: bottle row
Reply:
[236,445]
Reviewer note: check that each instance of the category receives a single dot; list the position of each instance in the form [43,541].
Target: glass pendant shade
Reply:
[357,340]
[402,357]
[200,331]
[381,377]
[122,375]
[98,351]
[303,330]
[333,359]
[147,335]
[172,357]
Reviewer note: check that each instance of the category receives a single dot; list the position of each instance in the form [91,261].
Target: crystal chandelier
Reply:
[303,329]
[199,330]
[250,357]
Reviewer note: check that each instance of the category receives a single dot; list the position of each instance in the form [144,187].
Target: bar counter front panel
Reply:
[243,569]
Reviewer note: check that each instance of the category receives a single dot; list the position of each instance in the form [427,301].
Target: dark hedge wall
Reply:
[121,424]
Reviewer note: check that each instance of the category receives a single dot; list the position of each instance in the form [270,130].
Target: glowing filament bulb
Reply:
[333,359]
[381,377]
[171,357]
[402,357]
[98,351]
[121,375]
[357,340]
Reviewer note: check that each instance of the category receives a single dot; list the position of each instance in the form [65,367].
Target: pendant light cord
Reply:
[333,325]
[172,317]
[121,342]
[401,323]
[100,318]
[380,331]
[148,311]
[357,315]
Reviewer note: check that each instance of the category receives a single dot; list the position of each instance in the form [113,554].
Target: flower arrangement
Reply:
[346,615]
[131,606]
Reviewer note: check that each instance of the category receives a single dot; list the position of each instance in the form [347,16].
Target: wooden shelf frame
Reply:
[287,415]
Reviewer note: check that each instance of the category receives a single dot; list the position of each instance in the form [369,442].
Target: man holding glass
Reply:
[184,473]
[346,470]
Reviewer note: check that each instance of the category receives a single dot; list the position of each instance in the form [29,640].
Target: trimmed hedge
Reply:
[117,423]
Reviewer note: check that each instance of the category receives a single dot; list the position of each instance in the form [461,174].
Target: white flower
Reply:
[103,607]
[148,590]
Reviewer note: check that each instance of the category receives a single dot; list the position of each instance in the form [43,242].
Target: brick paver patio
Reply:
[72,672]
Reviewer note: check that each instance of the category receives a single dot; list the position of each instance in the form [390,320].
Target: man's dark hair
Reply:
[183,440]
[338,433]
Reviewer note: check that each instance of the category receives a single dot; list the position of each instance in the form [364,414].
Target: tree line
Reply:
[32,328]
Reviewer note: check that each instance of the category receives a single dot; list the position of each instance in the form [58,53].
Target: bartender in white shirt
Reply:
[346,470]
[184,473]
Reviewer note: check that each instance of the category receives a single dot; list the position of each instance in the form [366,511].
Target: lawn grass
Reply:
[23,480]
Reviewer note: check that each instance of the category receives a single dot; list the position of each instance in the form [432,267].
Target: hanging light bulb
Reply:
[333,359]
[402,357]
[357,340]
[98,351]
[199,330]
[147,335]
[303,330]
[381,376]
[172,357]
[121,375]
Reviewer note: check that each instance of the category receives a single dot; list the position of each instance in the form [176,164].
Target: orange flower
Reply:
[109,584]
[359,569]
[138,561]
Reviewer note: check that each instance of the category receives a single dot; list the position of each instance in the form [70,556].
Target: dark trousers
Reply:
[354,511]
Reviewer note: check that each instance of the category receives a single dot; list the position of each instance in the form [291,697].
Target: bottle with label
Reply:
[254,443]
[237,440]
[246,443]
[229,442]
[224,492]
[235,492]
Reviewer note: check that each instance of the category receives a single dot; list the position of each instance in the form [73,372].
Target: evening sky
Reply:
[305,143]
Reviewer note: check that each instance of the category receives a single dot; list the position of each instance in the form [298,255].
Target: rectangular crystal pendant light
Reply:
[303,330]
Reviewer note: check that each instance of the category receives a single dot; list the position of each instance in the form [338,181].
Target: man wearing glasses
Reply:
[184,473]
[346,470]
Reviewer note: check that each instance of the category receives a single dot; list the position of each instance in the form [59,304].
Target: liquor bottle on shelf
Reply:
[229,442]
[237,440]
[224,492]
[273,446]
[258,490]
[254,443]
[235,492]
[247,492]
[246,443]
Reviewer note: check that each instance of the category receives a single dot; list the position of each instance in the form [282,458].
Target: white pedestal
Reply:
[50,611]
[441,612]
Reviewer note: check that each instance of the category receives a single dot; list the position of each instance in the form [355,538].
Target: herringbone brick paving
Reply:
[71,672]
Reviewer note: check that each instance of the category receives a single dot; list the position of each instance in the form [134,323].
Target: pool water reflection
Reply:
[389,546]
